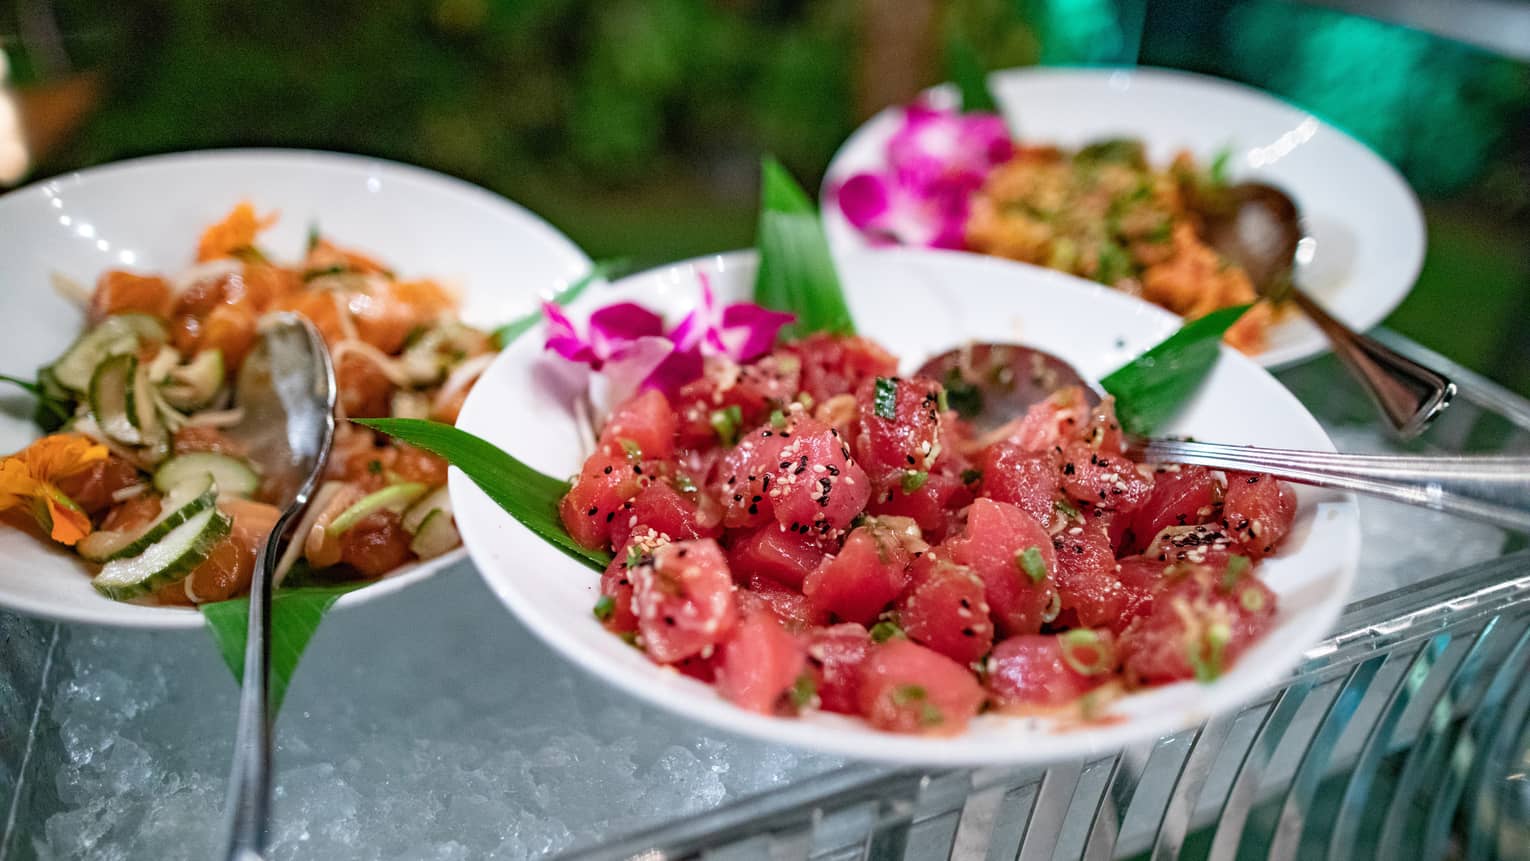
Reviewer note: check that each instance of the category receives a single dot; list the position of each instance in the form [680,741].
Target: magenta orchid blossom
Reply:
[628,345]
[935,161]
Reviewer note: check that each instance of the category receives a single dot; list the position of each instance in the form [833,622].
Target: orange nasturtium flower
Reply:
[28,478]
[235,232]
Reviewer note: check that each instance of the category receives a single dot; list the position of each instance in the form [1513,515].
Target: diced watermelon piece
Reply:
[1101,430]
[1048,671]
[760,662]
[1200,622]
[946,610]
[700,668]
[900,427]
[645,422]
[1028,480]
[932,505]
[745,476]
[864,577]
[1182,496]
[1140,578]
[905,687]
[816,486]
[1086,574]
[835,656]
[1258,512]
[755,389]
[665,510]
[1207,544]
[771,551]
[834,364]
[683,599]
[795,610]
[603,487]
[998,544]
[617,585]
[1052,423]
[1105,481]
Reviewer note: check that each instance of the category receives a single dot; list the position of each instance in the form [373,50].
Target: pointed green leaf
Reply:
[295,616]
[525,494]
[971,79]
[1151,388]
[505,335]
[796,272]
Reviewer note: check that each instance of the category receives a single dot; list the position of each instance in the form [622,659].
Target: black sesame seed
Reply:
[608,470]
[594,509]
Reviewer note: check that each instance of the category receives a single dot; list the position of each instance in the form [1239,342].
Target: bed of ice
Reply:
[427,725]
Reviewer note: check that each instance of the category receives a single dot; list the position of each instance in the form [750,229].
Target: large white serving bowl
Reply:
[146,215]
[1365,226]
[917,303]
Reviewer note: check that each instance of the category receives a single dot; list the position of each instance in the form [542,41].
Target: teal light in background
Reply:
[1088,32]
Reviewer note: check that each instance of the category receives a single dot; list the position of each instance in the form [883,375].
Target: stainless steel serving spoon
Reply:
[286,389]
[1003,380]
[1258,227]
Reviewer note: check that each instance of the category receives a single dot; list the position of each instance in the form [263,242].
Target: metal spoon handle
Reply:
[1409,394]
[249,793]
[1494,489]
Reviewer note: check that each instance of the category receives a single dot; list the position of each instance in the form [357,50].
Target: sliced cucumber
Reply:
[143,406]
[396,497]
[436,535]
[111,399]
[427,360]
[181,504]
[196,384]
[437,500]
[167,560]
[163,363]
[230,475]
[114,336]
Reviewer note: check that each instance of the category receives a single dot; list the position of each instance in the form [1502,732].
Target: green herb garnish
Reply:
[1252,599]
[804,691]
[604,607]
[326,271]
[967,72]
[884,399]
[726,423]
[778,420]
[913,479]
[885,630]
[1150,388]
[1208,667]
[970,476]
[1065,508]
[1237,566]
[796,271]
[630,448]
[684,483]
[962,396]
[1217,173]
[1032,563]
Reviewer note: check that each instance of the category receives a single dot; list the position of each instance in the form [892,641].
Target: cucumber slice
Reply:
[167,560]
[396,497]
[111,399]
[196,384]
[437,500]
[437,535]
[114,336]
[231,475]
[143,407]
[184,502]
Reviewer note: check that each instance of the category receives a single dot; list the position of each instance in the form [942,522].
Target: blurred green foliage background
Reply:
[636,125]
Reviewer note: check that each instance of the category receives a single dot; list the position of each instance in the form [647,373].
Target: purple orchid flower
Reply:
[935,161]
[741,331]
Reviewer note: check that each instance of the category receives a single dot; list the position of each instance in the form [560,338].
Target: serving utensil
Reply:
[1003,380]
[286,389]
[1258,227]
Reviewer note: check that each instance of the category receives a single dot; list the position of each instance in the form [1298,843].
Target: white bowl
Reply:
[146,215]
[1366,227]
[917,303]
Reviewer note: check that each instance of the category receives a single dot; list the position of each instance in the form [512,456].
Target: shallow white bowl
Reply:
[918,303]
[1366,227]
[146,215]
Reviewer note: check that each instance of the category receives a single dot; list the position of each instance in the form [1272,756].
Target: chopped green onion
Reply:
[970,476]
[942,402]
[914,479]
[1208,668]
[635,558]
[684,483]
[1032,563]
[337,269]
[726,422]
[605,607]
[1218,171]
[633,450]
[778,420]
[885,630]
[1065,508]
[930,715]
[804,691]
[904,695]
[962,396]
[1252,599]
[1237,566]
[1089,641]
[884,401]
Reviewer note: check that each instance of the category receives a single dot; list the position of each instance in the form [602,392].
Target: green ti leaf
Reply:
[1152,387]
[796,272]
[525,494]
[505,335]
[295,616]
[971,79]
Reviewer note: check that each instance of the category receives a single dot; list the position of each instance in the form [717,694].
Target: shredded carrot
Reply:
[234,233]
